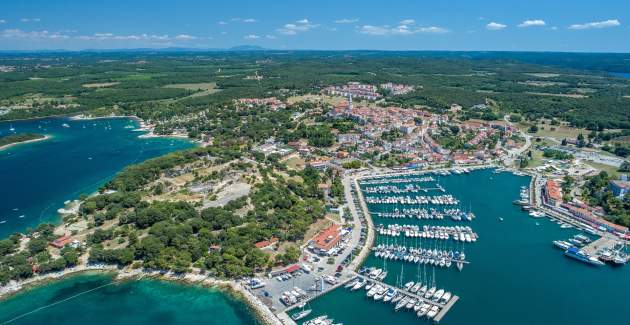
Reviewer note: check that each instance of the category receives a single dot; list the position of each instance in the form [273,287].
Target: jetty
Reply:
[605,242]
[444,308]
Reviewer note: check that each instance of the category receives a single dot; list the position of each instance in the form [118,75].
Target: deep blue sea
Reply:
[36,178]
[515,275]
[620,74]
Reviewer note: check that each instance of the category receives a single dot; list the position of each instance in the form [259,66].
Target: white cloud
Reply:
[408,22]
[303,25]
[161,39]
[597,24]
[399,30]
[495,26]
[346,21]
[185,37]
[532,22]
[270,37]
[27,20]
[221,22]
[2,21]
[374,30]
[251,36]
[44,34]
[244,20]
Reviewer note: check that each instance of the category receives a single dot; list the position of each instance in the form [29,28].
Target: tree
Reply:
[36,245]
[515,118]
[533,129]
[625,166]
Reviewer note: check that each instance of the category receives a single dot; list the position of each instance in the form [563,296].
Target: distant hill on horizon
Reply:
[597,61]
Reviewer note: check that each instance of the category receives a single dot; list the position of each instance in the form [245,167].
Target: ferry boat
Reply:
[577,254]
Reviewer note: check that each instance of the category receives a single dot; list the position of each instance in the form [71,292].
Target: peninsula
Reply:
[16,139]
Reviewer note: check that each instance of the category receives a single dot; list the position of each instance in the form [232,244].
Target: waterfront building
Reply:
[327,239]
[552,193]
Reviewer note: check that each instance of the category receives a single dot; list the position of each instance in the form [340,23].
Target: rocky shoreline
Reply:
[260,310]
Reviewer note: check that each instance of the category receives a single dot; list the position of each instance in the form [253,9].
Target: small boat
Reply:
[3,221]
[500,219]
[434,310]
[445,298]
[301,314]
[562,244]
[65,125]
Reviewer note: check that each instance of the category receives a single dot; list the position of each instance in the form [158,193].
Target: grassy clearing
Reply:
[100,85]
[559,132]
[295,163]
[202,88]
[574,96]
[612,171]
[543,75]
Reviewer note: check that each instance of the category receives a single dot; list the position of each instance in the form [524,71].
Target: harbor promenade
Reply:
[354,197]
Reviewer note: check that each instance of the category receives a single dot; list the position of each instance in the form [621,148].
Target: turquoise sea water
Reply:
[516,276]
[129,302]
[36,178]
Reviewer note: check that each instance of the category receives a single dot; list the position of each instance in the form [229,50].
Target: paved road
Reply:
[516,152]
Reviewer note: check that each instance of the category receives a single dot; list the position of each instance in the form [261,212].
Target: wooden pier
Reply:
[443,308]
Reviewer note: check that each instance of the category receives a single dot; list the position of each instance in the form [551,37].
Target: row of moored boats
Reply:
[445,199]
[435,257]
[415,297]
[457,233]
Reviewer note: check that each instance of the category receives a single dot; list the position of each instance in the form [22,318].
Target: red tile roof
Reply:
[328,238]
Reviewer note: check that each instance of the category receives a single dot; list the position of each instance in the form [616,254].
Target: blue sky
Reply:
[534,25]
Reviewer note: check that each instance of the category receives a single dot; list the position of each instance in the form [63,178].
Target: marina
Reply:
[431,303]
[511,239]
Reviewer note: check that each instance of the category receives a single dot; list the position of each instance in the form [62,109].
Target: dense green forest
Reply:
[570,87]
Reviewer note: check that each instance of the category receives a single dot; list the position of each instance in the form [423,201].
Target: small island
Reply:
[14,139]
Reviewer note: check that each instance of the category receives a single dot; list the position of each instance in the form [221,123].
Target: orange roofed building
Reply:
[327,238]
[61,242]
[266,243]
[553,193]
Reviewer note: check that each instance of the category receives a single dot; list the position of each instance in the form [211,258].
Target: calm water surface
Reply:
[36,178]
[516,276]
[129,302]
